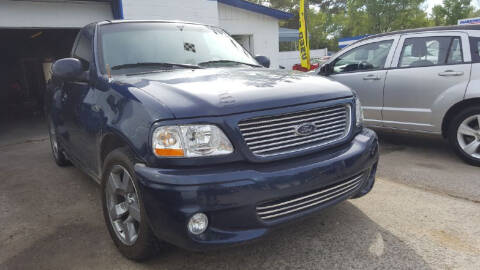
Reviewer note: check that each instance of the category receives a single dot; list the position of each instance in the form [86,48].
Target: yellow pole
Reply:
[304,44]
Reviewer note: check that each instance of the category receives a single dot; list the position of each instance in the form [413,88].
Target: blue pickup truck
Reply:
[195,142]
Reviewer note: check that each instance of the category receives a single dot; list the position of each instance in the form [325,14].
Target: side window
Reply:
[475,49]
[83,50]
[455,55]
[431,51]
[364,58]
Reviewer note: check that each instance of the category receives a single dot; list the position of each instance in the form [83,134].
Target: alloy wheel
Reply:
[123,205]
[468,136]
[53,142]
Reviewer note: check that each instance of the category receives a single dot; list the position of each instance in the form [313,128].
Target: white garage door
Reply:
[52,13]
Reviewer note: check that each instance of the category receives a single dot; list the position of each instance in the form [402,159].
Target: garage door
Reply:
[53,13]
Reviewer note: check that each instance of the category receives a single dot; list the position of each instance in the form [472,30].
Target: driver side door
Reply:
[78,108]
[363,68]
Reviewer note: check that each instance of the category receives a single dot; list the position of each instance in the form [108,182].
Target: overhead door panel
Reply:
[53,13]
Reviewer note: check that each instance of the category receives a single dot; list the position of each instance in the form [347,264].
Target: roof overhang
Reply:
[281,15]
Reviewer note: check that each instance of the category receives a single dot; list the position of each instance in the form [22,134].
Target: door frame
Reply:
[395,37]
[376,110]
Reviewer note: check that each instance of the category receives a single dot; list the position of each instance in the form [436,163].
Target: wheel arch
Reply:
[454,110]
[110,142]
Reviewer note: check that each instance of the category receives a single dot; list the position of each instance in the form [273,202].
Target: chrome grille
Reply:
[278,134]
[279,208]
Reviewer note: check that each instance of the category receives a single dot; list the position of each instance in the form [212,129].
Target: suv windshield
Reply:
[145,46]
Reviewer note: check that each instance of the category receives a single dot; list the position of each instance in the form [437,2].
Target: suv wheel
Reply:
[123,207]
[464,135]
[57,151]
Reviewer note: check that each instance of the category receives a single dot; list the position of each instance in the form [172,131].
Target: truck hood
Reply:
[222,91]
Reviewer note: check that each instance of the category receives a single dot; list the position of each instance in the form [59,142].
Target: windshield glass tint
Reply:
[187,44]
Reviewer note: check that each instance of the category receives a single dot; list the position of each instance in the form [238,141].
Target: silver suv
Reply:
[423,80]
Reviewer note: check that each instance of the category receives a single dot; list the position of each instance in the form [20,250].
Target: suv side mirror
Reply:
[69,69]
[263,60]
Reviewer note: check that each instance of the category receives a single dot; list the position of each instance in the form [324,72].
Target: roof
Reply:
[352,38]
[344,42]
[148,21]
[427,29]
[286,34]
[281,15]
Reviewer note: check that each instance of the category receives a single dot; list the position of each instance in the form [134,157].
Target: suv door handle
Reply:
[371,78]
[448,73]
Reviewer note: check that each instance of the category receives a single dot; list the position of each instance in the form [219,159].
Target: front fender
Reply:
[128,114]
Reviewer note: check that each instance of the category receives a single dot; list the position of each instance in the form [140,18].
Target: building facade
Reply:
[254,26]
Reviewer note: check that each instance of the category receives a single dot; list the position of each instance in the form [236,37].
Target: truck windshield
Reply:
[126,48]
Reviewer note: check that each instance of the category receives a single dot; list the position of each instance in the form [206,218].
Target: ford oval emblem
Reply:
[305,129]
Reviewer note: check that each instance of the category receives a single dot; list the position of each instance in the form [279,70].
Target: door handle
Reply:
[96,108]
[371,78]
[448,73]
[64,97]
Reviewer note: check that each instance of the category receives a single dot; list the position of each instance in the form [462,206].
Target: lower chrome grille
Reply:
[278,134]
[282,207]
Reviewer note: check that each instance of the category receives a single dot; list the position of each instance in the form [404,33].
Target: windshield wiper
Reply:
[227,62]
[155,64]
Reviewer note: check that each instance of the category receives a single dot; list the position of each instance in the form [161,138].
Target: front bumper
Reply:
[229,193]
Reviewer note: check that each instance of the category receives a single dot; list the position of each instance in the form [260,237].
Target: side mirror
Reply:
[325,70]
[263,60]
[69,69]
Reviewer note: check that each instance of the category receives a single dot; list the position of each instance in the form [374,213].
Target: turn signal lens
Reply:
[358,112]
[169,152]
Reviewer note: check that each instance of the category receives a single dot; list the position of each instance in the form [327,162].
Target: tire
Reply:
[464,135]
[57,152]
[128,225]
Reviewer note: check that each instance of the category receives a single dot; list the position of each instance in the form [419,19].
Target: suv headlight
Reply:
[190,141]
[358,111]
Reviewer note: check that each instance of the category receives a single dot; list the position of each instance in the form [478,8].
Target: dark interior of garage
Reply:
[26,56]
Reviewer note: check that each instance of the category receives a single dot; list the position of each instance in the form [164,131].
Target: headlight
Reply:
[190,141]
[358,112]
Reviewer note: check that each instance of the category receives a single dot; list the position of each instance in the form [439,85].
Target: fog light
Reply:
[198,223]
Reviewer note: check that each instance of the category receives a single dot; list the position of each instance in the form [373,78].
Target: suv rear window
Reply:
[475,49]
[431,51]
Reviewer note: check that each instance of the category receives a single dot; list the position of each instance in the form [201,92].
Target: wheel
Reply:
[57,151]
[123,208]
[464,135]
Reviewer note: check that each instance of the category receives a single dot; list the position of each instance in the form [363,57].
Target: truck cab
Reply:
[195,142]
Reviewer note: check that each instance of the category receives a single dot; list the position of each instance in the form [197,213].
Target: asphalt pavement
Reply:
[423,213]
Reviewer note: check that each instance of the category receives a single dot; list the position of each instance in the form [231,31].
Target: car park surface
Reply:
[423,213]
[429,163]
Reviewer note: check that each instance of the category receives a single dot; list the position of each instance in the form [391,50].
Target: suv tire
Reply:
[464,134]
[126,220]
